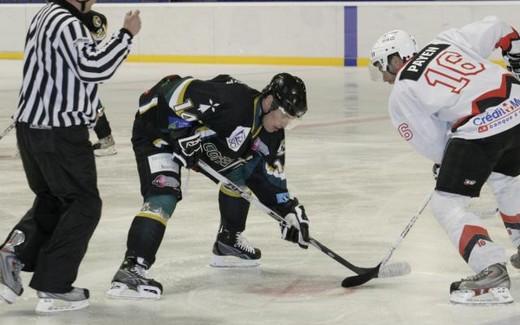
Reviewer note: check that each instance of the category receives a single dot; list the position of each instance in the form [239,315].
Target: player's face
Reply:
[276,120]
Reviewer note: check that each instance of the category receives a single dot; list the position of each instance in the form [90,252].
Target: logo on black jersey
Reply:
[415,68]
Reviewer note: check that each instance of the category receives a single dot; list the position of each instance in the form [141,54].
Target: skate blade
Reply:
[49,306]
[7,295]
[232,262]
[491,296]
[121,291]
[110,151]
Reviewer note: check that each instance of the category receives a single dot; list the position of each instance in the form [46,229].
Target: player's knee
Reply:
[447,206]
[158,207]
[506,190]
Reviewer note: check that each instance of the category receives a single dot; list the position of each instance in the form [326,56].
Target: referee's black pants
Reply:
[60,168]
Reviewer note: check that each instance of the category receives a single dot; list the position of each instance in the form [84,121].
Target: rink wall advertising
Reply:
[275,33]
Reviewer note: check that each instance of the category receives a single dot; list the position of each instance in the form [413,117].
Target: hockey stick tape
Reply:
[394,269]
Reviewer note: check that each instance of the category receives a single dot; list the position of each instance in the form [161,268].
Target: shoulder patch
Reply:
[237,137]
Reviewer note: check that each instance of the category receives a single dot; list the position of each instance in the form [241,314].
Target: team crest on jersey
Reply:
[237,137]
[212,106]
[415,68]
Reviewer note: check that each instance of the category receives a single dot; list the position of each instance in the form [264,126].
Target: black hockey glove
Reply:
[96,23]
[435,170]
[512,58]
[188,150]
[295,227]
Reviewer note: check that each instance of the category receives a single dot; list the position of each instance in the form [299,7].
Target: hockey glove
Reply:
[188,150]
[295,227]
[96,23]
[435,170]
[512,58]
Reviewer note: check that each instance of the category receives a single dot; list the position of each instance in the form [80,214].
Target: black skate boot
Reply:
[489,286]
[231,249]
[130,282]
[105,147]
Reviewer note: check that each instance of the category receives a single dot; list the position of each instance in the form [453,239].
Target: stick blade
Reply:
[357,280]
[394,269]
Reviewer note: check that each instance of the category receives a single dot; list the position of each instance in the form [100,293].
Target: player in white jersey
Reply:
[460,110]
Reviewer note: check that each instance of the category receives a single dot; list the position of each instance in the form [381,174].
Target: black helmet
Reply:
[289,93]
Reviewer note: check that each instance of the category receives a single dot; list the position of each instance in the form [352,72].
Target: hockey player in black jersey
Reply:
[239,132]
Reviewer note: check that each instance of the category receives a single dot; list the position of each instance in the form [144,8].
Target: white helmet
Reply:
[395,41]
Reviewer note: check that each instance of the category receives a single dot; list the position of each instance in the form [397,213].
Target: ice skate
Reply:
[10,267]
[490,286]
[105,147]
[130,282]
[50,302]
[231,249]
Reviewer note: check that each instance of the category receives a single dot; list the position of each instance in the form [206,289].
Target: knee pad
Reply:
[507,192]
[158,207]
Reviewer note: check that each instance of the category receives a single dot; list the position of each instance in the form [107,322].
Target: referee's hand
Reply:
[132,22]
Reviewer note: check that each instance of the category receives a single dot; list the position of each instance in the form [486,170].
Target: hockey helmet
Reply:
[393,42]
[288,93]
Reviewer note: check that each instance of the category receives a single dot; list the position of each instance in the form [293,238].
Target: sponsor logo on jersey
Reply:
[163,181]
[415,68]
[237,138]
[405,132]
[215,156]
[282,197]
[497,116]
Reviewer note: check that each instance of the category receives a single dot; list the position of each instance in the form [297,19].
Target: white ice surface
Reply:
[360,184]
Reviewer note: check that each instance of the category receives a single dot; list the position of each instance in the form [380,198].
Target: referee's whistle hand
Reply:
[132,22]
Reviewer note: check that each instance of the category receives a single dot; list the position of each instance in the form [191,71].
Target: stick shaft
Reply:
[250,198]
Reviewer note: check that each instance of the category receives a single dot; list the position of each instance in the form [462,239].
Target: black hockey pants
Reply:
[61,171]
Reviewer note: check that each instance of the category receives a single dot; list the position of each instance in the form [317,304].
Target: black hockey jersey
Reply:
[226,113]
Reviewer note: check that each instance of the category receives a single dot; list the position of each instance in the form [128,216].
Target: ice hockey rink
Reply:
[358,180]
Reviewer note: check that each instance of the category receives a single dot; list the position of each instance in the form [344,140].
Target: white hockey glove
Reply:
[512,58]
[295,227]
[435,170]
[188,150]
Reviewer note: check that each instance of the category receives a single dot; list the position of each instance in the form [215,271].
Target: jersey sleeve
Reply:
[483,36]
[419,127]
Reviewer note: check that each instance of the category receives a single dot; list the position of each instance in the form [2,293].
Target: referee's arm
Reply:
[89,63]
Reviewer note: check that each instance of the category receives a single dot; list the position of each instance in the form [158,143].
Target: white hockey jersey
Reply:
[451,89]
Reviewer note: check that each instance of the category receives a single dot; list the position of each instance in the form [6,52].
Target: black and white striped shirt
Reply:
[62,67]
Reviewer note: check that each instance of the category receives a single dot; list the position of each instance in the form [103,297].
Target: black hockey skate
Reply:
[130,282]
[231,249]
[105,147]
[489,286]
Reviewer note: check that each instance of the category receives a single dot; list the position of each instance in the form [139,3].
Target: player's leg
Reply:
[465,168]
[505,183]
[105,146]
[160,186]
[231,248]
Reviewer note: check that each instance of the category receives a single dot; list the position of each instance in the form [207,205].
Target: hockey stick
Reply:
[353,281]
[7,130]
[363,272]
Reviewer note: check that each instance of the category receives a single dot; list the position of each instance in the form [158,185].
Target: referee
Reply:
[58,101]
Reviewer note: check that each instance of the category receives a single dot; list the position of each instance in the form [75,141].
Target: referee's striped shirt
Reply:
[62,68]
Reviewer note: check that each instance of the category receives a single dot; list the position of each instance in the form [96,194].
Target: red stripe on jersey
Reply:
[510,219]
[499,92]
[505,42]
[468,233]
